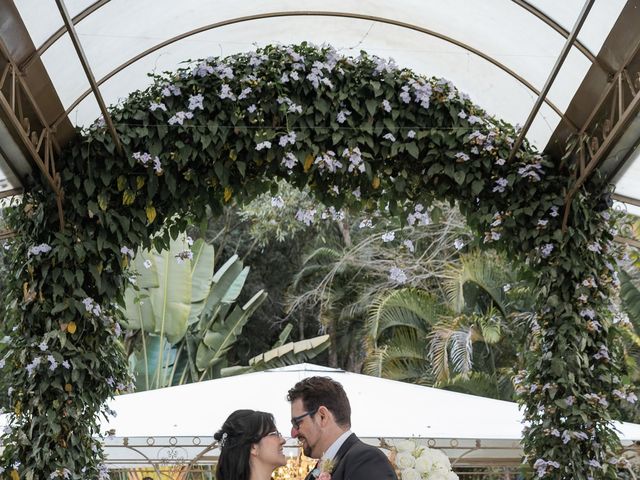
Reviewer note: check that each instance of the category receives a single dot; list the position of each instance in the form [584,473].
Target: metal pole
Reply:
[552,76]
[87,70]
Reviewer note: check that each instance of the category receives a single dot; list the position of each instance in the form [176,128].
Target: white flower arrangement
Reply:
[417,462]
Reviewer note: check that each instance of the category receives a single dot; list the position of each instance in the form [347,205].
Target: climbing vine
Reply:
[360,133]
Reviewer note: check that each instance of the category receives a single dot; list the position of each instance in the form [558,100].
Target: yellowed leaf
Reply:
[72,327]
[308,162]
[139,182]
[228,193]
[375,183]
[128,197]
[151,213]
[68,388]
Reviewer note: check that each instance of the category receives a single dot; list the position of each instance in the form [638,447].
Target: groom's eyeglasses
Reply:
[295,421]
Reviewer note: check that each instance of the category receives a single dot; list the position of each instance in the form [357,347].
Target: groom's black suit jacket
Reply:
[356,460]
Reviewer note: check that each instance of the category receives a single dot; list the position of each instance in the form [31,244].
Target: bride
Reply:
[251,447]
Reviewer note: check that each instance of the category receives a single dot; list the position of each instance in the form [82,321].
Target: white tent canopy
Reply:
[381,408]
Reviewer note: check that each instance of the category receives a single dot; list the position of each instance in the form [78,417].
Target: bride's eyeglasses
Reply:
[275,433]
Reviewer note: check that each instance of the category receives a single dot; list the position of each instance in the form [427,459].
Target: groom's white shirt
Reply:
[331,452]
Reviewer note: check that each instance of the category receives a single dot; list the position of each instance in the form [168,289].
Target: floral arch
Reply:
[362,133]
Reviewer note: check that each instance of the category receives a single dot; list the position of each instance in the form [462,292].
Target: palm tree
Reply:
[463,341]
[343,276]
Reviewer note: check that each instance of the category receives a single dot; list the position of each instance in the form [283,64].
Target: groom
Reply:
[321,421]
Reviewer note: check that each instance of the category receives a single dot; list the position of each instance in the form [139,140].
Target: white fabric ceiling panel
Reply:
[43,18]
[65,70]
[499,28]
[473,75]
[596,28]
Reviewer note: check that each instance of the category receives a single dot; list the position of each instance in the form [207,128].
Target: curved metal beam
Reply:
[262,16]
[539,14]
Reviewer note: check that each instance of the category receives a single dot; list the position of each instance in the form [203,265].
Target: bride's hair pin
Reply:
[223,440]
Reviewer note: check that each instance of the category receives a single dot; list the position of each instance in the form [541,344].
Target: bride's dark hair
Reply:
[241,429]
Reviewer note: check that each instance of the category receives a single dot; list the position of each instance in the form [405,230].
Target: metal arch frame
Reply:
[89,73]
[584,13]
[521,3]
[42,146]
[590,152]
[263,16]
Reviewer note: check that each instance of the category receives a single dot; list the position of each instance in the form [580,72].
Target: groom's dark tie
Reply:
[310,475]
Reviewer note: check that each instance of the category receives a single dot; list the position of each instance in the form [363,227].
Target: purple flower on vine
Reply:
[290,138]
[179,118]
[306,216]
[289,160]
[602,354]
[386,105]
[53,364]
[157,106]
[224,71]
[588,313]
[388,237]
[397,275]
[38,249]
[196,101]
[328,162]
[225,92]
[546,249]
[411,134]
[251,108]
[409,245]
[33,365]
[594,247]
[170,90]
[342,116]
[202,70]
[405,96]
[244,93]
[366,223]
[500,185]
[277,202]
[389,136]
[262,145]
[355,159]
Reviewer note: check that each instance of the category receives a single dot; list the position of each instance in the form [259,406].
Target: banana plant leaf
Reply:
[218,340]
[282,355]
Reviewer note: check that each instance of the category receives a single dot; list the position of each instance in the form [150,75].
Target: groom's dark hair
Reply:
[323,391]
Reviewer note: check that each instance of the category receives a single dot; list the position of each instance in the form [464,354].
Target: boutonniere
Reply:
[326,468]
